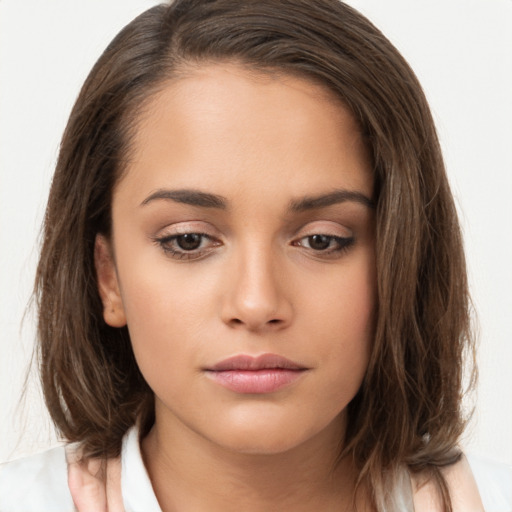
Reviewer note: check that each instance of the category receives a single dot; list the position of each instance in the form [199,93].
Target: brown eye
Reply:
[319,242]
[187,246]
[189,241]
[325,246]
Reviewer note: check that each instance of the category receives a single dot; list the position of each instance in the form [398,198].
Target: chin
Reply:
[266,437]
[266,444]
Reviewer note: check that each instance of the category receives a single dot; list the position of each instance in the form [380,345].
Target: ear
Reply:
[108,286]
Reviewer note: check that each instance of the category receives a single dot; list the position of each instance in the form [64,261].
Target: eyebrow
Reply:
[188,196]
[206,200]
[325,200]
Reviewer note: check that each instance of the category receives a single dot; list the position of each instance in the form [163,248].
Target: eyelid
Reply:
[165,244]
[183,228]
[341,237]
[166,240]
[324,227]
[341,245]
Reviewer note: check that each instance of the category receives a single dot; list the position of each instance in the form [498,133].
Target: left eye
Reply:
[325,243]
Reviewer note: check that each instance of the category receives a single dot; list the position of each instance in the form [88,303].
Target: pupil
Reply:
[319,242]
[189,242]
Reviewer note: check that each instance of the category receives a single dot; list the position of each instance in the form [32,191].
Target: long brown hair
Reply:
[408,410]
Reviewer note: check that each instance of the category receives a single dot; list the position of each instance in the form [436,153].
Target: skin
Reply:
[258,284]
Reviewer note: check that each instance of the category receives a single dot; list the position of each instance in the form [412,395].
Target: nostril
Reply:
[237,321]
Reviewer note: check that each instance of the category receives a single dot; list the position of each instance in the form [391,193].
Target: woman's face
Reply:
[243,228]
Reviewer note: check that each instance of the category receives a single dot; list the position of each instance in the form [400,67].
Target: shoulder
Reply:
[475,485]
[36,484]
[56,480]
[494,482]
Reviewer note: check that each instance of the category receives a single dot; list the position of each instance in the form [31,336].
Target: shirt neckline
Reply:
[138,493]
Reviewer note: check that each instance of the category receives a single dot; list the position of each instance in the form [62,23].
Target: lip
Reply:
[246,374]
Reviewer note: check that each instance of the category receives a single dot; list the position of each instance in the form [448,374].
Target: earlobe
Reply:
[108,286]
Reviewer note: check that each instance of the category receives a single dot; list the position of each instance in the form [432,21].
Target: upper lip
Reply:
[263,362]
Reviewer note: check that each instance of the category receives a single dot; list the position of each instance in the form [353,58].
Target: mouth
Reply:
[245,374]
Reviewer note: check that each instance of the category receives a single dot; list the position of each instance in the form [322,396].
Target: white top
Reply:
[40,483]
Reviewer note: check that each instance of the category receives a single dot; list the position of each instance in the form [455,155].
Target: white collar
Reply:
[138,494]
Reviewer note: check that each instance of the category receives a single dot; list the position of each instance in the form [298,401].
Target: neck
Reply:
[191,473]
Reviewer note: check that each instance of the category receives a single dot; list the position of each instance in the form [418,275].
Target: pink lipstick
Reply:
[255,375]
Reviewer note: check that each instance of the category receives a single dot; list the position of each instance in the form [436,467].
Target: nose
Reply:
[257,298]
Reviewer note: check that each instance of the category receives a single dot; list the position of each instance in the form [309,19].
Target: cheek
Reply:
[163,320]
[344,320]
[347,302]
[157,298]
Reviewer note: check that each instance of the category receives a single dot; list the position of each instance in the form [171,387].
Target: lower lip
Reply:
[256,381]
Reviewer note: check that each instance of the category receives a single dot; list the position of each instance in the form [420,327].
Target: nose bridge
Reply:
[257,296]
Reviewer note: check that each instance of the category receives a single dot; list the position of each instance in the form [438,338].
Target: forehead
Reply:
[224,126]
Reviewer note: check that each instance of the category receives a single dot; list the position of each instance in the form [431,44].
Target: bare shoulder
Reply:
[37,483]
[475,485]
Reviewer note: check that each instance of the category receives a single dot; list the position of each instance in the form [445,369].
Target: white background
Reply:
[462,53]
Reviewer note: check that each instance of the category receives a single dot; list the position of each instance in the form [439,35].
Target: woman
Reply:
[252,290]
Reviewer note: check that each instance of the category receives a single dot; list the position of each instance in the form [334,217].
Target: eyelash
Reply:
[169,245]
[343,244]
[166,243]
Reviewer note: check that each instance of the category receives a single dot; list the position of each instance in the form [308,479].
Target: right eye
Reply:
[187,246]
[189,241]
